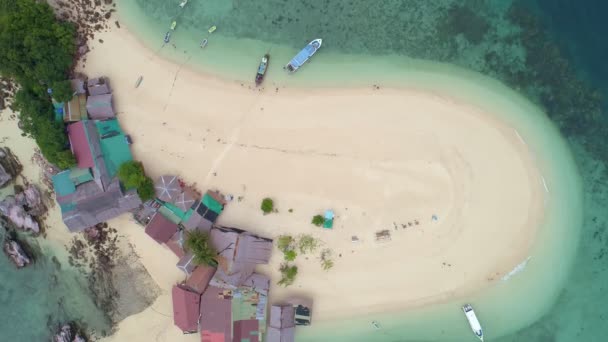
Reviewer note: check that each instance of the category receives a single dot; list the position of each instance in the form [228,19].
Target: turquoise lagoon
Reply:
[511,310]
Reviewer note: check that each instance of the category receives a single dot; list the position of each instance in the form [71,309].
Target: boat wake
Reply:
[516,269]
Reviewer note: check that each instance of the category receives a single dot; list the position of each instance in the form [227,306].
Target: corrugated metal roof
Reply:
[282,316]
[79,176]
[62,183]
[115,151]
[98,86]
[216,316]
[100,107]
[246,330]
[200,277]
[253,249]
[79,142]
[186,309]
[160,228]
[212,204]
[281,335]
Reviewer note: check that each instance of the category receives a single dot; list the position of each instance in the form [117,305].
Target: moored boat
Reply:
[204,42]
[212,29]
[259,77]
[183,3]
[304,55]
[138,82]
[473,321]
[167,37]
[173,25]
[376,325]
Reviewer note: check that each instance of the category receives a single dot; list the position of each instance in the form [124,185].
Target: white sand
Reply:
[378,158]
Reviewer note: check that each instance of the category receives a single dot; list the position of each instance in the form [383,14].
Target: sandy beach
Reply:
[457,189]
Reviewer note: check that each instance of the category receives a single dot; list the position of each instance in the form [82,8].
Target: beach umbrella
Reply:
[184,201]
[167,188]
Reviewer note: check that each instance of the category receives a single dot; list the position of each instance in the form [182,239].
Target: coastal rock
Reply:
[15,252]
[31,199]
[9,166]
[21,209]
[67,334]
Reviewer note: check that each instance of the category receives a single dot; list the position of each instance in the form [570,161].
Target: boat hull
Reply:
[303,56]
[259,77]
[473,321]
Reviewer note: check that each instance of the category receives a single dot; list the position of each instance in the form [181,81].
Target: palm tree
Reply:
[199,245]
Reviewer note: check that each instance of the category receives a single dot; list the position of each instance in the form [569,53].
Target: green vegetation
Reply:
[267,205]
[37,50]
[307,244]
[290,210]
[326,260]
[131,174]
[290,255]
[288,274]
[318,220]
[285,243]
[199,245]
[62,91]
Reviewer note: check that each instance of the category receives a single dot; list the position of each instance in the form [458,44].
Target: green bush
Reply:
[285,243]
[307,244]
[62,91]
[288,274]
[199,244]
[290,255]
[318,220]
[132,176]
[327,264]
[267,206]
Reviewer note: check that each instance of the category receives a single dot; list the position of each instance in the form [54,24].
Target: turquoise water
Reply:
[36,299]
[451,47]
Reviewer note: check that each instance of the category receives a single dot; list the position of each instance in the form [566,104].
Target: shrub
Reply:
[290,255]
[326,261]
[131,175]
[307,244]
[288,274]
[62,91]
[198,243]
[285,243]
[318,220]
[267,205]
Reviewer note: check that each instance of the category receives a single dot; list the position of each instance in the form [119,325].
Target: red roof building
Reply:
[80,145]
[160,228]
[246,330]
[186,309]
[216,316]
[200,277]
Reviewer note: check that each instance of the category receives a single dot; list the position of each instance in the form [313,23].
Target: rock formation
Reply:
[9,166]
[67,334]
[22,208]
[15,252]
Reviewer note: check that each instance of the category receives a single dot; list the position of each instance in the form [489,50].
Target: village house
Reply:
[100,107]
[75,109]
[98,86]
[186,309]
[91,193]
[216,316]
[281,324]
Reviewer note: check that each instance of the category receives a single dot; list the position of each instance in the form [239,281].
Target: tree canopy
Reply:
[132,176]
[34,46]
[199,244]
[37,51]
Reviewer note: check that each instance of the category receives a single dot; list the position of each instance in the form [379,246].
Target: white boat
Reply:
[183,3]
[304,55]
[204,43]
[376,325]
[473,321]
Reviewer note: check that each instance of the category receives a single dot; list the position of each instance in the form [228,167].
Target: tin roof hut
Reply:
[185,200]
[98,86]
[160,228]
[168,188]
[281,325]
[186,309]
[246,330]
[200,278]
[100,107]
[216,316]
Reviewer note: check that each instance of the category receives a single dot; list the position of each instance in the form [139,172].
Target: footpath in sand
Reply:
[382,159]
